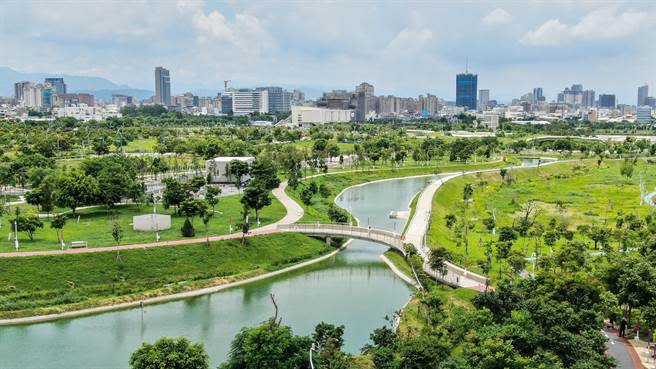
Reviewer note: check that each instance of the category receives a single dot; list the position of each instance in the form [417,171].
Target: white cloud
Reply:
[601,24]
[212,26]
[497,17]
[410,40]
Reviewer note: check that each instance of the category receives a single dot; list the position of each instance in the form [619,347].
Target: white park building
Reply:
[218,168]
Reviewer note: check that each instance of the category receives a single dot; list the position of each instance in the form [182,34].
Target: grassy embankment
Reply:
[95,225]
[53,284]
[336,182]
[574,193]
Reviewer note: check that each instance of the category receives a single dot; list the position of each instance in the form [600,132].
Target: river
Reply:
[354,288]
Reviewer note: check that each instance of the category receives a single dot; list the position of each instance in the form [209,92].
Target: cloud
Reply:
[212,26]
[601,24]
[497,17]
[410,40]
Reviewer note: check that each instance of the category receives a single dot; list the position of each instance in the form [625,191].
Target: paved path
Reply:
[294,214]
[622,351]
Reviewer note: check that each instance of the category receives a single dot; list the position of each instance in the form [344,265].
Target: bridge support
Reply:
[329,241]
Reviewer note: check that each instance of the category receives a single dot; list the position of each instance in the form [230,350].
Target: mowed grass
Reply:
[575,193]
[95,225]
[317,211]
[51,284]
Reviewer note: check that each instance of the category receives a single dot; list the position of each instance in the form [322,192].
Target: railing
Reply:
[392,239]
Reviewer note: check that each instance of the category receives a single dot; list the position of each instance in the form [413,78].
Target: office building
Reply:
[466,89]
[162,86]
[245,101]
[538,95]
[483,99]
[279,99]
[643,114]
[650,101]
[366,88]
[643,93]
[19,87]
[58,85]
[607,101]
[588,98]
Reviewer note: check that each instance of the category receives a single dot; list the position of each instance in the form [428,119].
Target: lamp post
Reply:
[16,235]
[311,350]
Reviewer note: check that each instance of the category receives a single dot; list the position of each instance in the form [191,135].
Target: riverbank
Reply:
[57,287]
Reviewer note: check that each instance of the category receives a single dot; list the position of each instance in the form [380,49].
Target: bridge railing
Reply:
[390,238]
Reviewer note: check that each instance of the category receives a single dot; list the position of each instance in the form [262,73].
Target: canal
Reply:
[354,288]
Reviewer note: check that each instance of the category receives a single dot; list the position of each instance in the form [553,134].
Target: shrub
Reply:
[188,229]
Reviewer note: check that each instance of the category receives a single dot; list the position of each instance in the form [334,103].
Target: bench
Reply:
[78,244]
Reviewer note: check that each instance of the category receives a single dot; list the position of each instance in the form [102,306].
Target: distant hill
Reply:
[100,87]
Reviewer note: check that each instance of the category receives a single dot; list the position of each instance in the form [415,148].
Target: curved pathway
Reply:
[294,214]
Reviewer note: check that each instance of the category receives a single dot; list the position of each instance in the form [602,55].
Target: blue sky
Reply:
[403,48]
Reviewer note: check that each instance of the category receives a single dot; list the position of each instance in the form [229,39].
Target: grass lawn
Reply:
[95,225]
[51,284]
[575,193]
[399,261]
[141,145]
[318,209]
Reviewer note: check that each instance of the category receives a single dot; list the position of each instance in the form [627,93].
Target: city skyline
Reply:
[399,50]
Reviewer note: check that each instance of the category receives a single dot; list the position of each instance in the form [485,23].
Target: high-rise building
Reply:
[19,88]
[466,88]
[245,101]
[577,87]
[643,93]
[162,86]
[607,101]
[588,98]
[279,100]
[537,95]
[58,85]
[643,114]
[365,87]
[483,99]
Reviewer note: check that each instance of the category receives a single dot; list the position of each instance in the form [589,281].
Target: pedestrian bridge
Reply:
[391,239]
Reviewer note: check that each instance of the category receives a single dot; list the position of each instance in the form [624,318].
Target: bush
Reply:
[188,229]
[336,214]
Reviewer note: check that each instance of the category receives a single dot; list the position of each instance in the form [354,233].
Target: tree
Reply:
[336,214]
[57,223]
[170,353]
[256,197]
[517,262]
[212,196]
[187,229]
[27,223]
[42,195]
[507,234]
[74,189]
[626,169]
[437,260]
[117,233]
[191,208]
[268,346]
[238,169]
[264,171]
[467,192]
[174,193]
[306,195]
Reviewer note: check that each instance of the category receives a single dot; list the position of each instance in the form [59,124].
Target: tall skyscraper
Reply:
[537,95]
[483,99]
[365,87]
[643,93]
[607,101]
[19,88]
[588,98]
[58,85]
[162,86]
[466,88]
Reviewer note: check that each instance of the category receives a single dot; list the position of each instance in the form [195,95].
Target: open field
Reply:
[95,225]
[574,194]
[52,284]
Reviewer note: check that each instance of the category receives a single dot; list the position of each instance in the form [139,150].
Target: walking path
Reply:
[622,351]
[294,214]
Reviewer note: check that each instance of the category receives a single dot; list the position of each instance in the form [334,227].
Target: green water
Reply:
[354,288]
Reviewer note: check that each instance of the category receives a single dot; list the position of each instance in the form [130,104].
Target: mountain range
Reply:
[101,88]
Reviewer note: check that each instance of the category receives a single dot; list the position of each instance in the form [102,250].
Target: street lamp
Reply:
[16,234]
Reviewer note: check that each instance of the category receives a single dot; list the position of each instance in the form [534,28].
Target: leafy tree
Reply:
[238,169]
[74,189]
[27,223]
[57,223]
[191,208]
[264,171]
[187,229]
[117,233]
[626,169]
[450,220]
[170,353]
[507,234]
[268,346]
[438,258]
[212,196]
[336,214]
[256,197]
[174,193]
[306,195]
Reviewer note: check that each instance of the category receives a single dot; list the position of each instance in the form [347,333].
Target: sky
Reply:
[403,48]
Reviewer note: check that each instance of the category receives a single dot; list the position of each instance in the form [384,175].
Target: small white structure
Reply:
[218,168]
[151,222]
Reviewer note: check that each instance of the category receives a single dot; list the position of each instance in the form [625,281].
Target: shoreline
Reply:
[165,298]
